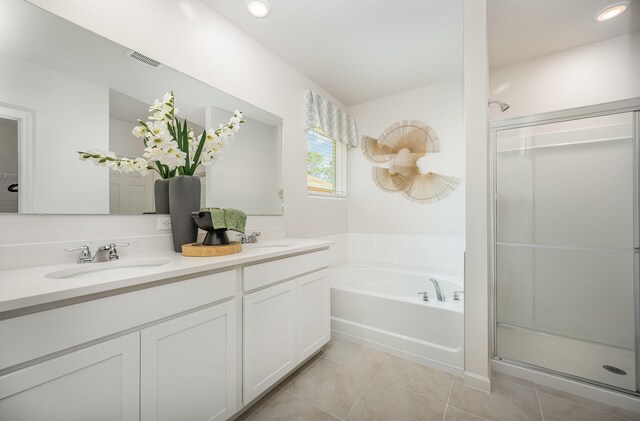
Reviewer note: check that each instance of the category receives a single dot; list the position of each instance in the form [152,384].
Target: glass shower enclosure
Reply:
[566,242]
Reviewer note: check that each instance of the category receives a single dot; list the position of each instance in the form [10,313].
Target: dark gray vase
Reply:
[161,196]
[184,198]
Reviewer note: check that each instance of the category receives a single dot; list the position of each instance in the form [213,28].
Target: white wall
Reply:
[591,74]
[199,42]
[71,114]
[476,310]
[372,210]
[387,228]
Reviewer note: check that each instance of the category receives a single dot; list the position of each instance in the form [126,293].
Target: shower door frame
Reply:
[578,113]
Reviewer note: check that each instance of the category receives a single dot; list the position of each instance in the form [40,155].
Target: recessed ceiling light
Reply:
[611,11]
[258,8]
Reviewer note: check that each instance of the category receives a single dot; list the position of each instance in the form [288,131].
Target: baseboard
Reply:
[477,381]
[598,394]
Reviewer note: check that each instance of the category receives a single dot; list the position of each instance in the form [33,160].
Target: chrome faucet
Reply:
[108,252]
[250,239]
[104,253]
[457,295]
[439,292]
[85,254]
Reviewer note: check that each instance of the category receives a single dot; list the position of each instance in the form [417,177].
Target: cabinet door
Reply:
[188,366]
[313,313]
[100,382]
[269,338]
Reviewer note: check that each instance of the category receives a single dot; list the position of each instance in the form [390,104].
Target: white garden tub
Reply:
[382,308]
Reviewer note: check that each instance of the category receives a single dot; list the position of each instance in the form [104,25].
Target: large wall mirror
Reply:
[65,89]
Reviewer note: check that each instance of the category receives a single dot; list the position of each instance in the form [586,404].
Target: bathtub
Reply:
[381,308]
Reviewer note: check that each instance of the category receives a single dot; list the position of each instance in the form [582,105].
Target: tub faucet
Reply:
[439,293]
[425,295]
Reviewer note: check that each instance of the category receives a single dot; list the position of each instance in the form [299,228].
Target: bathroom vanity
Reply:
[183,338]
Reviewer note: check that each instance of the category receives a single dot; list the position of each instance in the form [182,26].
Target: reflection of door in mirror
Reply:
[8,165]
[129,193]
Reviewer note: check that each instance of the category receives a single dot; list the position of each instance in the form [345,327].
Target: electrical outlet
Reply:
[164,223]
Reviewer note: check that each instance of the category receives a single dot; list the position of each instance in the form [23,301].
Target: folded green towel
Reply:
[231,219]
[217,218]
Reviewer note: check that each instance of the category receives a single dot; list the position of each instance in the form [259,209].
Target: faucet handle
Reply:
[113,252]
[119,245]
[81,248]
[425,295]
[457,295]
[85,253]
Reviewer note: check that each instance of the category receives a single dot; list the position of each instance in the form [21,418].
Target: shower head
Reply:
[503,105]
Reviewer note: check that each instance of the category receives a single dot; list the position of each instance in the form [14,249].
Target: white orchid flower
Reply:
[153,154]
[139,131]
[158,128]
[159,116]
[157,106]
[126,166]
[141,166]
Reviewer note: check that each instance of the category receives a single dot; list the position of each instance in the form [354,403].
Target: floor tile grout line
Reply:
[373,378]
[362,372]
[306,401]
[539,404]
[312,404]
[265,402]
[448,399]
[467,412]
[418,393]
[283,388]
[319,355]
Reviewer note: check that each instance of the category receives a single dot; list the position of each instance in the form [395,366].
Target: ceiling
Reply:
[360,50]
[523,29]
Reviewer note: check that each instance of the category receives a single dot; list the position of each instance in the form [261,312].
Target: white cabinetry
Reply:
[313,318]
[176,350]
[269,337]
[100,382]
[286,321]
[188,366]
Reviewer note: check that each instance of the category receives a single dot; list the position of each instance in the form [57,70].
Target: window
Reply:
[326,166]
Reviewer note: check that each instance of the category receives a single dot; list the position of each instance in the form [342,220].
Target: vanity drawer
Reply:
[263,274]
[39,334]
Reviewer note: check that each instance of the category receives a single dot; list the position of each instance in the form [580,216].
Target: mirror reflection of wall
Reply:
[8,165]
[80,91]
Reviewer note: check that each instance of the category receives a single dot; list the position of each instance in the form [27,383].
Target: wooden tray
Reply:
[198,250]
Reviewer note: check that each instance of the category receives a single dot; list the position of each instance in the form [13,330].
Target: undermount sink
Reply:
[108,269]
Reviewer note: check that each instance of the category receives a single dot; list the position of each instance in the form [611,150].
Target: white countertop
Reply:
[21,288]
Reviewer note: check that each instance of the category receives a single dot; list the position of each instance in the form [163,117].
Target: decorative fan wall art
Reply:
[401,165]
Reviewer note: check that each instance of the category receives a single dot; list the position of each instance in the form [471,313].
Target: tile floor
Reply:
[348,381]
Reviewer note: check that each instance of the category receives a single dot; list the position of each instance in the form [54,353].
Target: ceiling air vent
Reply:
[143,59]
